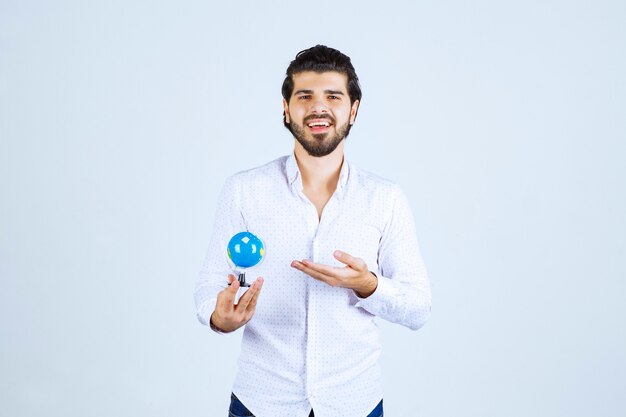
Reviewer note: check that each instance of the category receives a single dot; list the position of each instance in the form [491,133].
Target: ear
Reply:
[286,108]
[353,111]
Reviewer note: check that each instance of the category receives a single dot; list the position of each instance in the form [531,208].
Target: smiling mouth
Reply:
[319,125]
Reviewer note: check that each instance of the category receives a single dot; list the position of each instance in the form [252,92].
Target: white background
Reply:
[505,123]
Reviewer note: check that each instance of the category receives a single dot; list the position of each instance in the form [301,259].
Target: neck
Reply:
[319,172]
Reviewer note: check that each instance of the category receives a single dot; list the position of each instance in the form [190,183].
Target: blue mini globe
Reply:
[245,250]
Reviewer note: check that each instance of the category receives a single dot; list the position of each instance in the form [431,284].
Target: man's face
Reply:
[319,112]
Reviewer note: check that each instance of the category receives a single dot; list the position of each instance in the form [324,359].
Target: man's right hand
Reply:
[228,316]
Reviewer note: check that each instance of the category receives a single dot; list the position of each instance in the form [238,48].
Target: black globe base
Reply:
[242,280]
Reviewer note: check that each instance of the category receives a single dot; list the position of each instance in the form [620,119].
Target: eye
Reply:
[334,97]
[304,97]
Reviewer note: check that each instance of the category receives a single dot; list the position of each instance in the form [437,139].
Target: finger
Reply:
[250,307]
[352,261]
[301,266]
[231,278]
[229,294]
[255,297]
[330,271]
[221,294]
[246,297]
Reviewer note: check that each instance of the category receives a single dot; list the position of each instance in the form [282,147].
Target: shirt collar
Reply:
[343,175]
[291,169]
[295,178]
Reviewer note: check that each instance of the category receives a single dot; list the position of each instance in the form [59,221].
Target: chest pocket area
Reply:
[360,239]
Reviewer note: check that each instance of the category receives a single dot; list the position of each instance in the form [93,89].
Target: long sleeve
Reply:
[215,269]
[403,294]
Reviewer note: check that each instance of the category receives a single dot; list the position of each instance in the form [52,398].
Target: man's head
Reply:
[321,95]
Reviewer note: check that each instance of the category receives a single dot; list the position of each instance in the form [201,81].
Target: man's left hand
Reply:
[354,275]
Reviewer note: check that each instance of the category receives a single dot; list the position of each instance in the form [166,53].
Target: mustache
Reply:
[319,116]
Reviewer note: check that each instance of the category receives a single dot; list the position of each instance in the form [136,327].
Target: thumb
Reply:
[352,261]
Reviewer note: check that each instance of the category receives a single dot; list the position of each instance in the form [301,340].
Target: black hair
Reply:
[321,58]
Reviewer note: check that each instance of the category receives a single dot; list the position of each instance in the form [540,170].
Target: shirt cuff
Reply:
[204,316]
[378,302]
[215,328]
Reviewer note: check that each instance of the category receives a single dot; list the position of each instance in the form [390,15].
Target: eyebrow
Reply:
[335,92]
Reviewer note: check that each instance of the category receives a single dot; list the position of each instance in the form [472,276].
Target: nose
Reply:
[318,106]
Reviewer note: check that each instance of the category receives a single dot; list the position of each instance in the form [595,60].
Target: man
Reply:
[340,250]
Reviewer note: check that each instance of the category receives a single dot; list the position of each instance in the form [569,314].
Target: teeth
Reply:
[325,124]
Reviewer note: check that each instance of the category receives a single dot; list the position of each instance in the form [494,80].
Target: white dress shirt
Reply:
[311,345]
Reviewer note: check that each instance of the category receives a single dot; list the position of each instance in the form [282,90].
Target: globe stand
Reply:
[242,280]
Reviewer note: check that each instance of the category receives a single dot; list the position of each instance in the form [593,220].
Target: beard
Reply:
[322,144]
